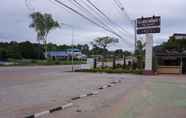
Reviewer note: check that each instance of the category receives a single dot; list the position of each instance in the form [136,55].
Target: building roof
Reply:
[171,53]
[179,34]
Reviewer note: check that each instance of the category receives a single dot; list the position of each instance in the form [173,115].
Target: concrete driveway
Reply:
[28,90]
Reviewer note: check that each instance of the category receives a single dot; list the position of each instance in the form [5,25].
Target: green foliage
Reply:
[23,50]
[111,70]
[103,42]
[120,53]
[140,54]
[84,49]
[3,54]
[174,44]
[28,50]
[43,24]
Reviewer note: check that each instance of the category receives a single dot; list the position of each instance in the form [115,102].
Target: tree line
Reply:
[28,50]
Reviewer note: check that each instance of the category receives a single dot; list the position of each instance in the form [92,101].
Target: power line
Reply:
[87,18]
[101,16]
[123,10]
[101,24]
[132,22]
[29,5]
[84,9]
[94,15]
[108,19]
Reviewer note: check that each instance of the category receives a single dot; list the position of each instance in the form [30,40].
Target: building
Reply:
[171,62]
[178,36]
[76,53]
[172,59]
[58,54]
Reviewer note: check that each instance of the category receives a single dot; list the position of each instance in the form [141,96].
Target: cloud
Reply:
[15,20]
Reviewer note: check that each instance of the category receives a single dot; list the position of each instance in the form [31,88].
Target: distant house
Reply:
[58,54]
[76,53]
[178,36]
[172,61]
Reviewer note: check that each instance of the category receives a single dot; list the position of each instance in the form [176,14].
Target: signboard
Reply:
[148,25]
[89,64]
[148,30]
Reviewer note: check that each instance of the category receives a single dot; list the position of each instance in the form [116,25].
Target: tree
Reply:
[140,53]
[173,44]
[3,54]
[43,24]
[103,43]
[29,50]
[119,53]
[84,48]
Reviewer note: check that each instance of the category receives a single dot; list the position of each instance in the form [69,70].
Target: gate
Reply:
[184,66]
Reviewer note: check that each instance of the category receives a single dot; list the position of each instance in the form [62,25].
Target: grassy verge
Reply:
[111,70]
[30,62]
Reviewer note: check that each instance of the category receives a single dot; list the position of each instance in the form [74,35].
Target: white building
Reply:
[178,36]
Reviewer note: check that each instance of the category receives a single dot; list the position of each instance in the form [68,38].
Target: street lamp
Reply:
[72,41]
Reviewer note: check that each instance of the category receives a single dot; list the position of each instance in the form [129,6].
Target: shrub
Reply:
[111,70]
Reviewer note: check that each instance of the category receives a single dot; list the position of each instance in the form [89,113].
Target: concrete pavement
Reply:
[28,90]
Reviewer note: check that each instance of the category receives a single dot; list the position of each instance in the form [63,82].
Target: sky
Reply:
[15,20]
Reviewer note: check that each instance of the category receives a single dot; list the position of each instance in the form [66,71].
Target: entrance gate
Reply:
[184,66]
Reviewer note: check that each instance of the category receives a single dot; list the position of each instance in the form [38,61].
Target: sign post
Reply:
[148,54]
[148,26]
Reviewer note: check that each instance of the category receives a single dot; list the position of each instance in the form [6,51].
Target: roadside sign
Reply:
[148,25]
[89,64]
[148,30]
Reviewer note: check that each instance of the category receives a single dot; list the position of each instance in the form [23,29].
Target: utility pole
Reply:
[72,41]
[135,35]
[72,49]
[148,53]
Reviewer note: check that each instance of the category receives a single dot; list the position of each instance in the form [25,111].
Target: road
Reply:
[25,90]
[28,90]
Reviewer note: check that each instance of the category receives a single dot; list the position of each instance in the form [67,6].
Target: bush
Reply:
[111,70]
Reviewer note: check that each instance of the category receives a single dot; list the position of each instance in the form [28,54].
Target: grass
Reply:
[111,70]
[31,62]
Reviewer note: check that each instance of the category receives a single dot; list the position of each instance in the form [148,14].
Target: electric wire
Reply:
[123,10]
[108,19]
[100,15]
[29,6]
[95,16]
[101,24]
[87,18]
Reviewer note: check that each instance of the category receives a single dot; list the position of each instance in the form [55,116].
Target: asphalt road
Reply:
[27,90]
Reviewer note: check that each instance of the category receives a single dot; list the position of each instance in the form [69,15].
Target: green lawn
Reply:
[31,62]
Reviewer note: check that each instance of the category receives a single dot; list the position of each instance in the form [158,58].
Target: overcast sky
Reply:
[14,20]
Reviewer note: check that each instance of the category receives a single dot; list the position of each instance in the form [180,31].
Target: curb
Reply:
[109,85]
[85,95]
[50,111]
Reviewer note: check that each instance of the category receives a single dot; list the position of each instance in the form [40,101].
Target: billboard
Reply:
[148,25]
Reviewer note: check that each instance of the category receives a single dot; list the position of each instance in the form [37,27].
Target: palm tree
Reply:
[43,24]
